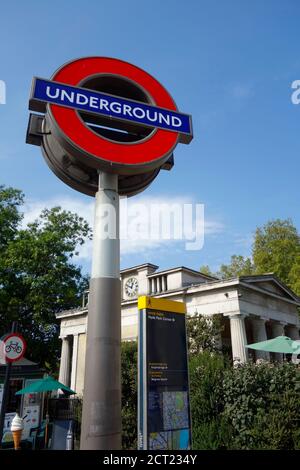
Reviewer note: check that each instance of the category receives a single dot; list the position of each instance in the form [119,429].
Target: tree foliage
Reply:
[203,333]
[275,249]
[37,276]
[10,201]
[239,266]
[294,276]
[205,269]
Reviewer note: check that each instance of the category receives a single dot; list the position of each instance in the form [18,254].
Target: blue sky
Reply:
[228,63]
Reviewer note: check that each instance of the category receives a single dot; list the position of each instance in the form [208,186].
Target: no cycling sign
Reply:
[13,347]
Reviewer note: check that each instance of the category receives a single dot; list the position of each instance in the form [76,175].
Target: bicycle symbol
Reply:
[13,347]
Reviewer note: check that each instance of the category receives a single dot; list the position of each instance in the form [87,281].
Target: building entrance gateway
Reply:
[107,129]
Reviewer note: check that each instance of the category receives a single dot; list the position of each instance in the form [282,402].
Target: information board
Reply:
[163,384]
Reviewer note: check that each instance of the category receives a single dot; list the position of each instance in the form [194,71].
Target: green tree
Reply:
[205,269]
[294,276]
[37,276]
[203,333]
[239,266]
[276,249]
[10,201]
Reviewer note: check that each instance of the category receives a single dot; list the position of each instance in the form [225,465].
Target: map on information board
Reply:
[169,440]
[175,410]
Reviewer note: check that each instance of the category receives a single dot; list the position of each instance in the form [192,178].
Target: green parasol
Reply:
[45,385]
[281,344]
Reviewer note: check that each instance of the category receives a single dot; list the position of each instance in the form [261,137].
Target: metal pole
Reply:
[101,414]
[6,389]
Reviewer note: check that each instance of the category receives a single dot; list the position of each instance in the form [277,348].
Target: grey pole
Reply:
[101,414]
[6,388]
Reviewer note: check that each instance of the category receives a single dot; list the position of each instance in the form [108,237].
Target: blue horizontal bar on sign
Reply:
[89,101]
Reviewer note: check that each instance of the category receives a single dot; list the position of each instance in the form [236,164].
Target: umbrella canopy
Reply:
[45,385]
[281,344]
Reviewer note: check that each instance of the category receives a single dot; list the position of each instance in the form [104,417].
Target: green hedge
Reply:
[262,404]
[129,395]
[248,407]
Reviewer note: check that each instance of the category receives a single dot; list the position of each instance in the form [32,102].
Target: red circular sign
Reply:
[14,347]
[154,148]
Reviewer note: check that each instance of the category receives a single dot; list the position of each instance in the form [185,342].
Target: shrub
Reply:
[129,395]
[261,403]
[210,429]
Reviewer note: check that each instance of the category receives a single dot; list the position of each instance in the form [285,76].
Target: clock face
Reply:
[131,287]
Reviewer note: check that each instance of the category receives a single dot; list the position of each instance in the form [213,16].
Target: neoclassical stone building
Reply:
[253,308]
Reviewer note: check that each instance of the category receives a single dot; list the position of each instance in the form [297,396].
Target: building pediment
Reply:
[271,284]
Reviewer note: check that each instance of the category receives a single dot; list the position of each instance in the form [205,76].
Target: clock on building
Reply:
[131,287]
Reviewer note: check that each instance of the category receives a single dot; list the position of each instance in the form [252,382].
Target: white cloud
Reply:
[146,229]
[33,208]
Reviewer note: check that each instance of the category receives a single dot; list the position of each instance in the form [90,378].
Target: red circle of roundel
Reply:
[11,335]
[156,146]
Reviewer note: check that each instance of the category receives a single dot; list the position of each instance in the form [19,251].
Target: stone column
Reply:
[238,338]
[292,332]
[277,330]
[74,363]
[64,369]
[260,334]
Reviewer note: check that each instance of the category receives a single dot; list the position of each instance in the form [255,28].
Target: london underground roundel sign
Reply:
[14,347]
[105,114]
